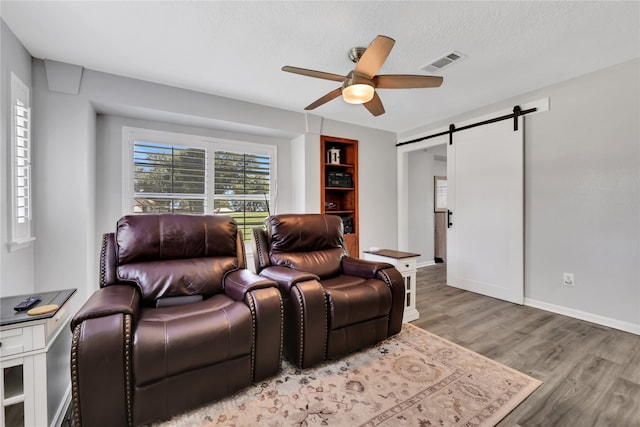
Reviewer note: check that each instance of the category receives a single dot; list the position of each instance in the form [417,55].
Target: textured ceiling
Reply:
[236,49]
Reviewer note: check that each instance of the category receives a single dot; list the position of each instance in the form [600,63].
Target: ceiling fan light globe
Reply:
[358,93]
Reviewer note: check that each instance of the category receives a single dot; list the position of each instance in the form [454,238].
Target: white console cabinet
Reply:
[35,383]
[405,263]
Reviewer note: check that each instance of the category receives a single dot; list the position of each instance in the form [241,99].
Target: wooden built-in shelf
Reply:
[338,165]
[336,212]
[344,199]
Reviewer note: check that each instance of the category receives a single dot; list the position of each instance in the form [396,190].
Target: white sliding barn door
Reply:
[485,241]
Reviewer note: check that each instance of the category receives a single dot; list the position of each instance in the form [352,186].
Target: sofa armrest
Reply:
[392,277]
[361,268]
[115,299]
[239,282]
[262,297]
[101,356]
[267,311]
[306,325]
[287,277]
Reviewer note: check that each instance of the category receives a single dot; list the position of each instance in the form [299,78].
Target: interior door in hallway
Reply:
[485,240]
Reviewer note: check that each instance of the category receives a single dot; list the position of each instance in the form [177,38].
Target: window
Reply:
[177,173]
[242,188]
[168,178]
[20,157]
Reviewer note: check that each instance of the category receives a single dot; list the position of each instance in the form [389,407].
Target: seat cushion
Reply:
[172,340]
[354,299]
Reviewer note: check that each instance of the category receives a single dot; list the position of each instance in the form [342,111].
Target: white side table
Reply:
[35,382]
[405,263]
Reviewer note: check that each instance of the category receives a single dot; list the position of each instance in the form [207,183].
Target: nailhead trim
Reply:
[389,282]
[252,308]
[301,349]
[103,255]
[281,330]
[326,324]
[127,365]
[258,247]
[74,377]
[387,279]
[242,250]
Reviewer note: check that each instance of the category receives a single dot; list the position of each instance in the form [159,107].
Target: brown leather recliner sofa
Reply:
[177,322]
[334,304]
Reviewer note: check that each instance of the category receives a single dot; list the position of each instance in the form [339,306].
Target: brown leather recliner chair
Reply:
[334,304]
[177,322]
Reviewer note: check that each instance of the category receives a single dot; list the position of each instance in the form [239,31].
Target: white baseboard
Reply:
[425,264]
[410,314]
[583,315]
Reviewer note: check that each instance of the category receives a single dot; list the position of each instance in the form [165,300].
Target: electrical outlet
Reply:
[568,280]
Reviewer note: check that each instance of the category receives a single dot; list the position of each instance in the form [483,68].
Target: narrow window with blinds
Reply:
[22,160]
[242,188]
[21,182]
[169,179]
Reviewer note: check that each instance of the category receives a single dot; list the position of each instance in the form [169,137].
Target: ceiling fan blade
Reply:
[328,97]
[313,73]
[375,105]
[406,81]
[375,55]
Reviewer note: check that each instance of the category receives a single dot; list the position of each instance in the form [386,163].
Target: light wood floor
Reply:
[590,373]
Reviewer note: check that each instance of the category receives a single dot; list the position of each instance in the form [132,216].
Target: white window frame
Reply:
[132,134]
[20,194]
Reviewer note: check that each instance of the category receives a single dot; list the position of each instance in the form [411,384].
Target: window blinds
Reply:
[22,160]
[242,187]
[182,179]
[169,178]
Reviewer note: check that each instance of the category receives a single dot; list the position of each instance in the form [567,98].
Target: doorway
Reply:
[424,166]
[441,213]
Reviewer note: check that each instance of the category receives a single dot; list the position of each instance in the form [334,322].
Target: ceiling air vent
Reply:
[442,62]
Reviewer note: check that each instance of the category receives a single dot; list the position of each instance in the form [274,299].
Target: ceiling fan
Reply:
[358,87]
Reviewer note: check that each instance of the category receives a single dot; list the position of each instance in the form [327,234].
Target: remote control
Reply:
[27,303]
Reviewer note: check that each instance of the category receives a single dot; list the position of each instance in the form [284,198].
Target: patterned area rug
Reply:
[414,378]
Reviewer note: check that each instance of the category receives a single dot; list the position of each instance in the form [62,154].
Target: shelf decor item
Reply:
[333,156]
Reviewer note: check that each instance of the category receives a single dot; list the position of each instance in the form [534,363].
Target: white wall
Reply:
[297,168]
[582,195]
[64,184]
[16,268]
[78,171]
